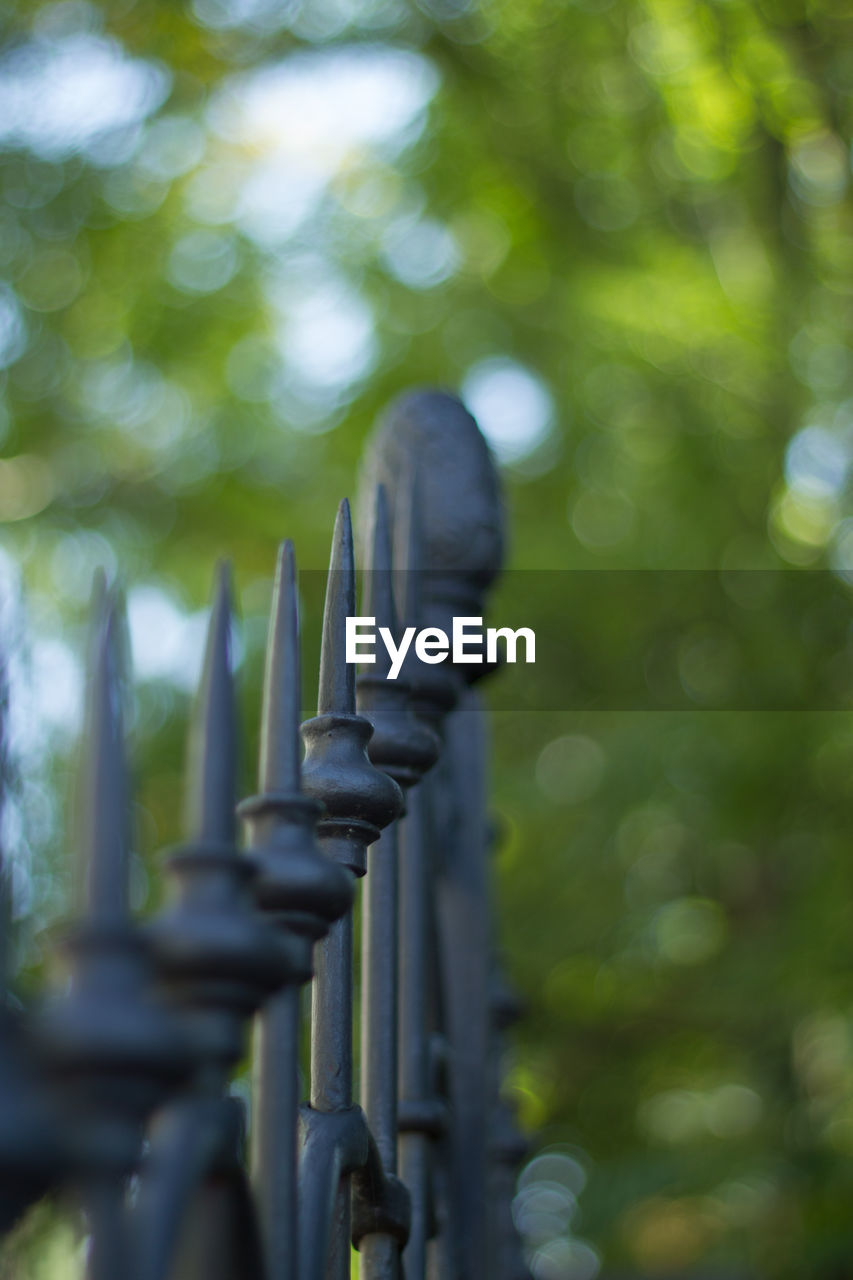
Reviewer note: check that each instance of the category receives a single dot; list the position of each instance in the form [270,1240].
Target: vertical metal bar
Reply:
[220,1240]
[301,892]
[331,991]
[465,943]
[108,1255]
[102,893]
[332,1061]
[379,1256]
[434,690]
[379,997]
[360,801]
[414,1083]
[405,748]
[379,982]
[112,1049]
[276,1090]
[331,1020]
[219,959]
[461,553]
[463,544]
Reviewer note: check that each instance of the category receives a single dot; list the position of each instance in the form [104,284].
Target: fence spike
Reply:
[114,1052]
[337,677]
[104,826]
[280,743]
[302,891]
[218,959]
[360,799]
[212,747]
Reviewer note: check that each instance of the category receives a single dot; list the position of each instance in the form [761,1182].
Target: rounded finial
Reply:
[462,527]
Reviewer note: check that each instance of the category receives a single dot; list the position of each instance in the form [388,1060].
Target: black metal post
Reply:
[405,748]
[431,436]
[360,800]
[302,892]
[113,1050]
[219,959]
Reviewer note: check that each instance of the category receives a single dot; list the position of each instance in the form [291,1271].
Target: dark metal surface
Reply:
[302,893]
[430,443]
[432,434]
[219,960]
[112,1050]
[121,1087]
[359,801]
[405,748]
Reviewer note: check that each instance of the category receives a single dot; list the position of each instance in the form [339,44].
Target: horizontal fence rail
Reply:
[118,1088]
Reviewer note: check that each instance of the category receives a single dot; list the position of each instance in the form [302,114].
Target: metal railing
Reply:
[118,1088]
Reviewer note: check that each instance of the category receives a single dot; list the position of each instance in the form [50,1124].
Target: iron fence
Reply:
[118,1088]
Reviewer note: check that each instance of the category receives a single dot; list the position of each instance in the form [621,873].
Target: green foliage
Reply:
[641,209]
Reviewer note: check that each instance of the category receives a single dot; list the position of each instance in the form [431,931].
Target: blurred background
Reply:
[230,231]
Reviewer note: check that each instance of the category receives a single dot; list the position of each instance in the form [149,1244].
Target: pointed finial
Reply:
[279,769]
[211,795]
[358,798]
[378,596]
[337,676]
[104,825]
[111,1048]
[217,959]
[298,889]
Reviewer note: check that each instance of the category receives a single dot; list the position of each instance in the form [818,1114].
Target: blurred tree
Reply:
[230,231]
